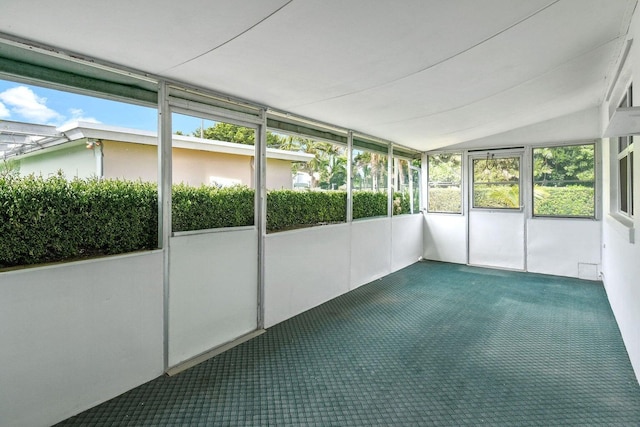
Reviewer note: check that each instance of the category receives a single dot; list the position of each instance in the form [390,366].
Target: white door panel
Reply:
[496,239]
[495,210]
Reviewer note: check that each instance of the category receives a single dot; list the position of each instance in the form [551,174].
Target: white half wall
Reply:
[621,262]
[621,271]
[564,247]
[303,269]
[370,250]
[307,267]
[406,242]
[620,237]
[78,334]
[445,237]
[213,291]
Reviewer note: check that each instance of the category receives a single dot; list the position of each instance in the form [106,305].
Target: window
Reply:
[402,198]
[306,182]
[564,181]
[625,164]
[369,183]
[416,185]
[444,178]
[496,182]
[69,187]
[213,174]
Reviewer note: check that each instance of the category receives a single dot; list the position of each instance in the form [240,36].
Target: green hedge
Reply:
[199,208]
[53,219]
[402,203]
[448,199]
[548,201]
[368,204]
[572,200]
[287,209]
[44,220]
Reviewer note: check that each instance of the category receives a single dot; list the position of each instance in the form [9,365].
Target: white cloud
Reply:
[77,115]
[4,111]
[24,102]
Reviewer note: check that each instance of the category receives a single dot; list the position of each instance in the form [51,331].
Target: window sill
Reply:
[623,225]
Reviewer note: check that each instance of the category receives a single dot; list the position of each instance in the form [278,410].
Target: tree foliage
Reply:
[445,168]
[228,132]
[567,163]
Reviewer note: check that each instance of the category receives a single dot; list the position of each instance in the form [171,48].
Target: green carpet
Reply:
[432,344]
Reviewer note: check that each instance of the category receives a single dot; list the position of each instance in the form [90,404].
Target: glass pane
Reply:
[415,178]
[316,165]
[401,195]
[369,184]
[496,183]
[564,181]
[69,196]
[444,181]
[213,174]
[306,182]
[624,189]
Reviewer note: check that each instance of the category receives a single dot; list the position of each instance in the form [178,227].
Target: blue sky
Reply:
[33,104]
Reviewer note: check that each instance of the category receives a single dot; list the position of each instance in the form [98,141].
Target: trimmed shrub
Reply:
[369,204]
[573,200]
[53,219]
[447,199]
[45,220]
[498,196]
[288,209]
[548,201]
[402,203]
[204,207]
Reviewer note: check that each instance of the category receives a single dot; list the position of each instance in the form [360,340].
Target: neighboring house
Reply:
[84,150]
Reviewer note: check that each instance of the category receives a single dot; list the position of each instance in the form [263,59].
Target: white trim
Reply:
[80,130]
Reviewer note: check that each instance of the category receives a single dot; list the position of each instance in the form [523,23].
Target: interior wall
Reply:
[564,247]
[307,267]
[370,253]
[445,237]
[497,239]
[406,240]
[303,269]
[78,334]
[620,246]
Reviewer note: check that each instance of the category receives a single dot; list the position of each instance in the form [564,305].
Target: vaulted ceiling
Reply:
[424,73]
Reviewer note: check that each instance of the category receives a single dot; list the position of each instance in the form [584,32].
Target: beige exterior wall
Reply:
[75,162]
[130,161]
[279,174]
[193,167]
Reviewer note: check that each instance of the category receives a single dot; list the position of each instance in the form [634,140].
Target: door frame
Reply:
[174,99]
[524,156]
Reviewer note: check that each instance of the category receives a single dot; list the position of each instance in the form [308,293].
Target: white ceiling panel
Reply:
[574,86]
[149,35]
[425,74]
[323,49]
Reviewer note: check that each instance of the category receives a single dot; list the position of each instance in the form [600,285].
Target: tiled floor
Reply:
[433,344]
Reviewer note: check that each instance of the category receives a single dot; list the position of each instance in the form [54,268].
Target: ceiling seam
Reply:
[538,76]
[413,73]
[227,41]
